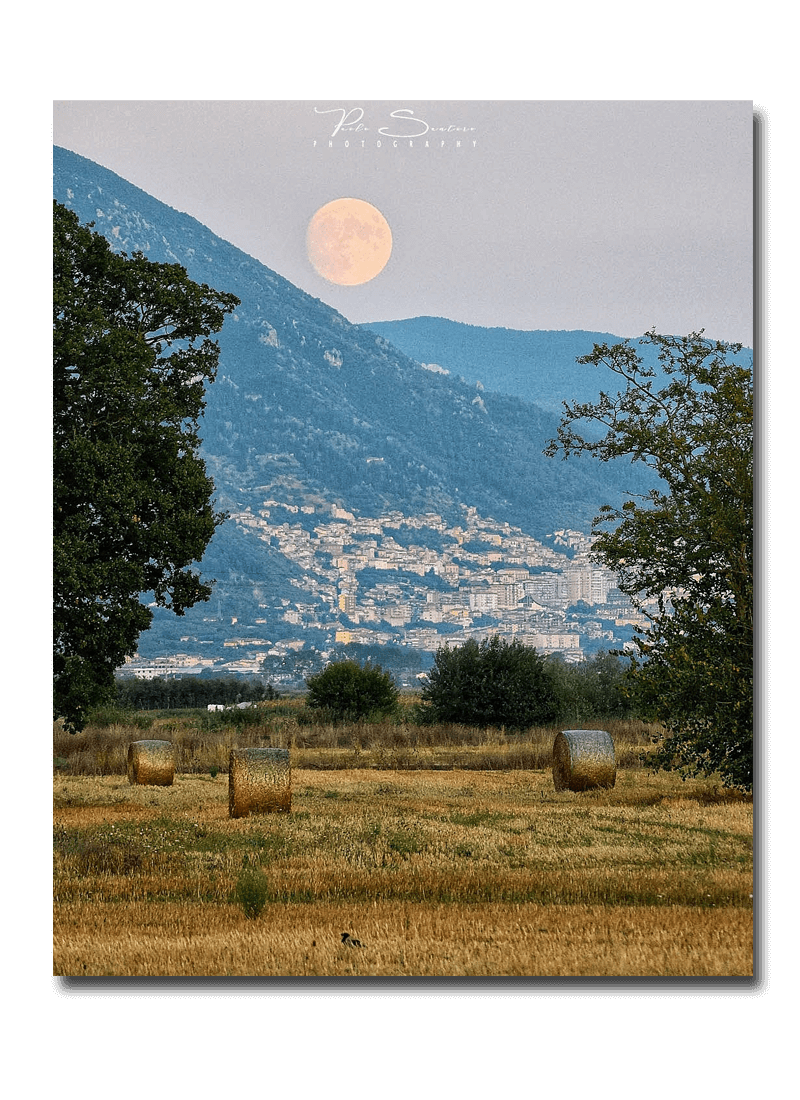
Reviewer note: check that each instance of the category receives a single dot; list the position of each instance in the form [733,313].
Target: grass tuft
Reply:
[252,891]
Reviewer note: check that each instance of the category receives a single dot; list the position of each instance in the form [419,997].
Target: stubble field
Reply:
[454,872]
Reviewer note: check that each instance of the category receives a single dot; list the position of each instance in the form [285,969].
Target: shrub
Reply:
[251,892]
[494,683]
[348,691]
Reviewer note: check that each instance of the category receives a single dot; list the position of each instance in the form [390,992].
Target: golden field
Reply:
[453,869]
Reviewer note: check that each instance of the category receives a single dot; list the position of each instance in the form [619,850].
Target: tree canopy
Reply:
[348,690]
[684,551]
[490,683]
[132,355]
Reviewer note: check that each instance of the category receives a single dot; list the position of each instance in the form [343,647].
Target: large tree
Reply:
[132,501]
[686,548]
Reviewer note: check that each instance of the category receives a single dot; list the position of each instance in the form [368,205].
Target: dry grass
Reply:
[203,743]
[171,938]
[438,873]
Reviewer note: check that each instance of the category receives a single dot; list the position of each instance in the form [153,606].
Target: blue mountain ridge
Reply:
[538,366]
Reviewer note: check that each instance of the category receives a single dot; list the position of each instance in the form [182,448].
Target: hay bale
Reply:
[151,763]
[259,782]
[583,759]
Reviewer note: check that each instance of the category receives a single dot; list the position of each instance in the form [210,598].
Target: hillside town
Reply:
[413,581]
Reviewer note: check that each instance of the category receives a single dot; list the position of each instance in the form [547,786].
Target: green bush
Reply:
[494,683]
[347,691]
[251,892]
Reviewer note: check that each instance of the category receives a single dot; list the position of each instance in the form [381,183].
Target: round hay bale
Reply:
[151,763]
[583,759]
[259,782]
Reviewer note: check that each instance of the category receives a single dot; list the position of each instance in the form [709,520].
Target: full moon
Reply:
[348,241]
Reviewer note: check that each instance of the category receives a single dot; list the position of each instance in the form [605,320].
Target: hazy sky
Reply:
[611,216]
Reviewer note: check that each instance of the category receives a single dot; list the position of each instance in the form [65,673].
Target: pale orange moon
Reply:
[348,241]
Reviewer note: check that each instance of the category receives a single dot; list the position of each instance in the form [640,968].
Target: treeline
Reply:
[491,684]
[190,691]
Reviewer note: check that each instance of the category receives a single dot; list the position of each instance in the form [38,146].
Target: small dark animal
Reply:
[348,941]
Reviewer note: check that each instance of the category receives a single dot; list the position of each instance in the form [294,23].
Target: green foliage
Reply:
[685,550]
[252,889]
[180,692]
[349,691]
[697,678]
[593,689]
[494,683]
[109,714]
[132,501]
[299,665]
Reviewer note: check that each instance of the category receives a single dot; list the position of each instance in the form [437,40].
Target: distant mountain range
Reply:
[313,419]
[539,366]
